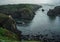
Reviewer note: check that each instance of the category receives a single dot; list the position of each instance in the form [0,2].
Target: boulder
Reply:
[43,10]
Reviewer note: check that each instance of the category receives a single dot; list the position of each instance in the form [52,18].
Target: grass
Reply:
[9,41]
[14,7]
[7,35]
[16,41]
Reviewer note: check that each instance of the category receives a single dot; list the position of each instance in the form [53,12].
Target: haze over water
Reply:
[29,1]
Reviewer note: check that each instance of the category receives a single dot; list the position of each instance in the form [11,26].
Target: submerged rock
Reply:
[54,12]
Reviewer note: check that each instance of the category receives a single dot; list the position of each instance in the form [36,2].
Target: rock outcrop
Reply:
[24,15]
[8,23]
[54,12]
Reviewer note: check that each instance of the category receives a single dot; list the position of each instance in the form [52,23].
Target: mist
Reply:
[29,1]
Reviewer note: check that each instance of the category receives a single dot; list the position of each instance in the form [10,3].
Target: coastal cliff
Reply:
[54,12]
[10,14]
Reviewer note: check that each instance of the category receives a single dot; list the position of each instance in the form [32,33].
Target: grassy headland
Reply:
[8,30]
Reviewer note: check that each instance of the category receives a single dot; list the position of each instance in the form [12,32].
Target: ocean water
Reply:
[42,24]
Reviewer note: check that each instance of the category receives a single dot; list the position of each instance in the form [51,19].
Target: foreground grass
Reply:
[9,41]
[7,35]
[16,41]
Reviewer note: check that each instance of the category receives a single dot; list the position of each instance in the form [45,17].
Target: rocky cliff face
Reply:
[24,15]
[54,12]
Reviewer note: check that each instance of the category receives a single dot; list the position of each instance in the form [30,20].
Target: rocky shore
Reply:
[10,14]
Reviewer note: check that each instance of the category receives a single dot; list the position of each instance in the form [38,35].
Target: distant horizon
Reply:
[34,3]
[5,2]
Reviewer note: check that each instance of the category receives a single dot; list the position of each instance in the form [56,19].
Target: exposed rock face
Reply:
[51,13]
[8,23]
[54,12]
[57,10]
[24,14]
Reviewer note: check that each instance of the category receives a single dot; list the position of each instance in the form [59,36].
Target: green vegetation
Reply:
[17,41]
[3,17]
[19,11]
[7,13]
[9,30]
[15,7]
[7,35]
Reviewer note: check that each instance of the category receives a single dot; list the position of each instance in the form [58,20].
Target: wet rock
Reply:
[43,10]
[57,10]
[54,12]
[51,13]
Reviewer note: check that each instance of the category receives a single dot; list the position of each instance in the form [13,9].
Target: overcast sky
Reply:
[29,1]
